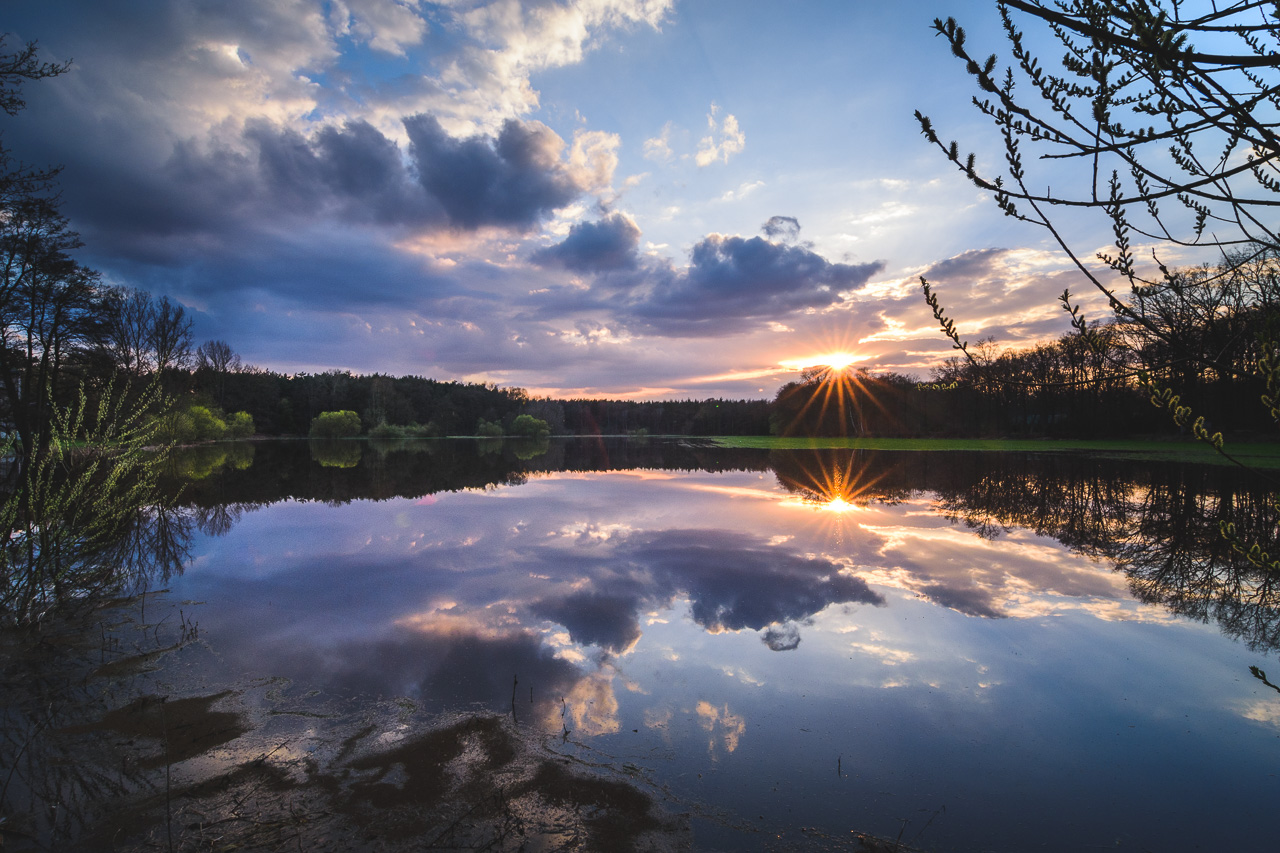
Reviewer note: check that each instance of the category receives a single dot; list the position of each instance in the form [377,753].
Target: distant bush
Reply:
[240,425]
[343,424]
[385,430]
[488,429]
[196,423]
[528,426]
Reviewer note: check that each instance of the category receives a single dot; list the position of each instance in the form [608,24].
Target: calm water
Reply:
[783,650]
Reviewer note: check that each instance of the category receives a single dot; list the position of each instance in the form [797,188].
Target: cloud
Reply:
[781,638]
[736,581]
[351,172]
[347,174]
[733,581]
[508,42]
[608,621]
[785,229]
[720,143]
[659,147]
[609,244]
[513,180]
[742,191]
[732,283]
[388,26]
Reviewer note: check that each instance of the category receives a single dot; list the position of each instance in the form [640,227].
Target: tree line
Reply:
[1205,331]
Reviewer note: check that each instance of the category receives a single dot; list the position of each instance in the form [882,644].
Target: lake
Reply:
[611,644]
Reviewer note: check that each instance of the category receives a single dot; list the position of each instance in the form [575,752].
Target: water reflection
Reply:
[1158,524]
[706,615]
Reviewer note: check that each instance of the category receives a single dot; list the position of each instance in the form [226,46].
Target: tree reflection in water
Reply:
[1159,525]
[86,534]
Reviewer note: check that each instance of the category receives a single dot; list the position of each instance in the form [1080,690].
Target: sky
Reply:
[642,199]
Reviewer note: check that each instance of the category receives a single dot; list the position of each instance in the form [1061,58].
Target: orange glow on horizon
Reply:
[833,360]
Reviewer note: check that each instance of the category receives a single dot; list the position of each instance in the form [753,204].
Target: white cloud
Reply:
[593,159]
[742,191]
[388,26]
[659,147]
[720,143]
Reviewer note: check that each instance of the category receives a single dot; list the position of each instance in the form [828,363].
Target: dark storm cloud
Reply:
[736,581]
[441,670]
[512,181]
[354,171]
[592,619]
[609,244]
[733,282]
[783,228]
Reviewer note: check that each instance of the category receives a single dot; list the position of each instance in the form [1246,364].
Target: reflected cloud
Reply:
[594,619]
[726,728]
[592,706]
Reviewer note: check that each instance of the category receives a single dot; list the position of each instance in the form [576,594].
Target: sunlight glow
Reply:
[840,505]
[834,360]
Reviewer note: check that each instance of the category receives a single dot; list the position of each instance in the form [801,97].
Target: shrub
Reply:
[240,425]
[198,423]
[343,424]
[530,427]
[384,430]
[488,429]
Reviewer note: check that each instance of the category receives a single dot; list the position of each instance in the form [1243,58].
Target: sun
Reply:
[839,360]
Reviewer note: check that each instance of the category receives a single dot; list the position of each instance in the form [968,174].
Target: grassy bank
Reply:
[1254,454]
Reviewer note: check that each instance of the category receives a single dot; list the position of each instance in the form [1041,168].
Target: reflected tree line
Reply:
[1157,524]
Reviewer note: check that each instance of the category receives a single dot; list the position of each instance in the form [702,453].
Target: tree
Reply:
[129,328]
[170,337]
[50,308]
[1174,144]
[147,335]
[17,68]
[217,358]
[240,425]
[343,424]
[530,427]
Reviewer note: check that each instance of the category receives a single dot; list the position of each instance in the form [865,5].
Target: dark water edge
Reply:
[123,731]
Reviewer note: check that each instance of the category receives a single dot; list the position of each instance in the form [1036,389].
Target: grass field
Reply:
[1254,454]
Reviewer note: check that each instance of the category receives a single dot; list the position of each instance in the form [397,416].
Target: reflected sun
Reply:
[838,505]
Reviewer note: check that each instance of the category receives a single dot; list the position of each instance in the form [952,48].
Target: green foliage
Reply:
[204,424]
[191,425]
[488,429]
[240,425]
[530,427]
[331,453]
[342,424]
[391,432]
[528,448]
[73,497]
[201,461]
